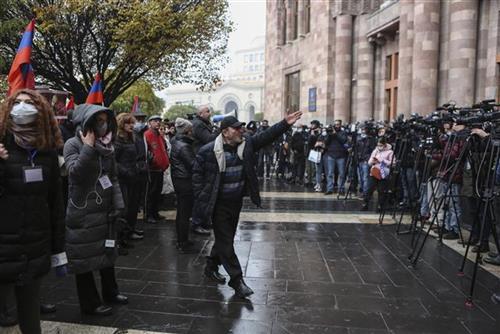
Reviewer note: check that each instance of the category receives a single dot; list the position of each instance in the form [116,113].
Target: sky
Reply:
[249,19]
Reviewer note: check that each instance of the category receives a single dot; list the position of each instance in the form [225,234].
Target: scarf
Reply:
[25,135]
[103,145]
[219,152]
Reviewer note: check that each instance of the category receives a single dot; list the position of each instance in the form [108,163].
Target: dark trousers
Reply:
[299,168]
[185,200]
[225,222]
[477,211]
[381,186]
[28,305]
[154,193]
[87,290]
[131,191]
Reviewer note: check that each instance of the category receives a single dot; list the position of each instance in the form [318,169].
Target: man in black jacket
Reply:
[299,160]
[224,172]
[336,155]
[203,133]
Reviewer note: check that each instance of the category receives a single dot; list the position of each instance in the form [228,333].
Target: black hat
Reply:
[230,121]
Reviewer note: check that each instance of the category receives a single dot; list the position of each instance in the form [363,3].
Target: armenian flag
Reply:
[95,94]
[21,73]
[71,104]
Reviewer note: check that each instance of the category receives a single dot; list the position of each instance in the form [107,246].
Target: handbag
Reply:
[314,156]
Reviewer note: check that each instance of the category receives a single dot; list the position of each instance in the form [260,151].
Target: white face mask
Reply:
[323,133]
[24,113]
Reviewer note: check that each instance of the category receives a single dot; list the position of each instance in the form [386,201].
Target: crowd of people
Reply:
[71,195]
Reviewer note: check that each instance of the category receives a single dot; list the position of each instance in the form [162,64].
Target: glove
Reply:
[62,271]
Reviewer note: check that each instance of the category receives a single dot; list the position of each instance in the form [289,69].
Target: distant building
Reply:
[360,59]
[241,88]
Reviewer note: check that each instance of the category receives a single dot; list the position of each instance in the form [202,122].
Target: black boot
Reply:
[240,288]
[6,319]
[47,308]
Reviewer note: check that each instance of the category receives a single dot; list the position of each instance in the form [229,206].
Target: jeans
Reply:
[319,171]
[409,183]
[330,167]
[454,209]
[364,176]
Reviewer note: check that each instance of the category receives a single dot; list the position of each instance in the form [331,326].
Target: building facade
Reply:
[241,89]
[359,59]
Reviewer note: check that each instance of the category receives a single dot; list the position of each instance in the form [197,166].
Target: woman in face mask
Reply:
[31,205]
[94,204]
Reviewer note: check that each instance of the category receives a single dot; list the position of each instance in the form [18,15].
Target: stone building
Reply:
[240,90]
[360,59]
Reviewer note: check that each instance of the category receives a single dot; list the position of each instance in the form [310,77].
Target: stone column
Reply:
[365,74]
[301,18]
[343,58]
[405,57]
[425,56]
[281,14]
[462,51]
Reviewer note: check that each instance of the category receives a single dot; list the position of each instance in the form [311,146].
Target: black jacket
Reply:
[207,177]
[365,147]
[32,215]
[335,144]
[182,157]
[203,133]
[126,159]
[298,144]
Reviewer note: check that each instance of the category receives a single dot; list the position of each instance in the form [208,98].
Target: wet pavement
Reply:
[339,277]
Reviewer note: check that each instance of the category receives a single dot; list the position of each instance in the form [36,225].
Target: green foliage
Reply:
[149,102]
[179,110]
[160,41]
[258,117]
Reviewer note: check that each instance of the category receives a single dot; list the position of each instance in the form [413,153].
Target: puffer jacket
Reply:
[207,176]
[182,157]
[383,156]
[32,215]
[126,158]
[88,216]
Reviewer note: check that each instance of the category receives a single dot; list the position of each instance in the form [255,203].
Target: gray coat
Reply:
[88,222]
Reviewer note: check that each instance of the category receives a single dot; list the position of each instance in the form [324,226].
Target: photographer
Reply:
[312,137]
[336,155]
[298,150]
[365,144]
[266,154]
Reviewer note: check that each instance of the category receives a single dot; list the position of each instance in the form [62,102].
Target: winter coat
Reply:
[126,159]
[335,144]
[158,149]
[182,157]
[365,147]
[383,156]
[203,132]
[207,175]
[32,215]
[89,220]
[298,145]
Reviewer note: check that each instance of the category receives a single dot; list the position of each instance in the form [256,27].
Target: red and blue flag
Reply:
[21,73]
[136,107]
[71,103]
[95,94]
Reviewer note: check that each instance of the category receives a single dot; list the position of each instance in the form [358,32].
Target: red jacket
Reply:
[157,146]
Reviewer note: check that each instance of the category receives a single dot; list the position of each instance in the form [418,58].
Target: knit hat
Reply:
[182,125]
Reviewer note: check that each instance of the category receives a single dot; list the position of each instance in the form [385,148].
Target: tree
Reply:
[179,111]
[161,41]
[149,102]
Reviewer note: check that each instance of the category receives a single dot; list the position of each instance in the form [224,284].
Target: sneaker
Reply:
[136,236]
[201,231]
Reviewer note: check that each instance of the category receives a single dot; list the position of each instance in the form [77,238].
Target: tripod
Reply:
[444,170]
[485,190]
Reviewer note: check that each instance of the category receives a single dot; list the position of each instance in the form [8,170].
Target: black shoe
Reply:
[451,235]
[342,193]
[135,236]
[201,231]
[47,308]
[214,275]
[495,298]
[329,193]
[102,310]
[7,320]
[364,207]
[159,217]
[118,299]
[151,220]
[482,248]
[138,231]
[493,260]
[241,289]
[125,244]
[464,242]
